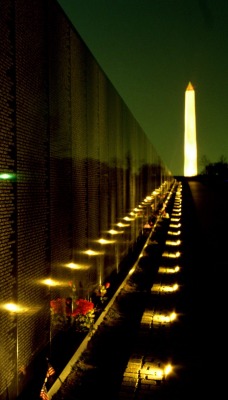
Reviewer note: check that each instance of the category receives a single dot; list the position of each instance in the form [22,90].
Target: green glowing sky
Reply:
[150,50]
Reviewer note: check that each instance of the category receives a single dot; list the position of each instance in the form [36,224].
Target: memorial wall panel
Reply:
[8,273]
[104,199]
[113,128]
[93,206]
[79,161]
[32,154]
[60,109]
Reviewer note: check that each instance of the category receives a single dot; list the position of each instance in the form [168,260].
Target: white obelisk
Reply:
[190,146]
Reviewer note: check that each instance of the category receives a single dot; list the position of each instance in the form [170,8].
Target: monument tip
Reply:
[190,87]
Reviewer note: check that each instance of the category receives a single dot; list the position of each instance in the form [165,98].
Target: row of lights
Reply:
[157,370]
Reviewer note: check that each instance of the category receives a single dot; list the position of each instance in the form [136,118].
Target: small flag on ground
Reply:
[50,371]
[44,393]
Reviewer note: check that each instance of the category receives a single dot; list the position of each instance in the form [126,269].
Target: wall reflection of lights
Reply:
[175,219]
[74,266]
[128,218]
[105,241]
[115,232]
[51,282]
[14,308]
[102,242]
[91,252]
[147,199]
[117,256]
[168,270]
[122,225]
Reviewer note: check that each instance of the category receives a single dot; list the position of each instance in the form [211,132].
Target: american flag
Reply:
[44,393]
[50,371]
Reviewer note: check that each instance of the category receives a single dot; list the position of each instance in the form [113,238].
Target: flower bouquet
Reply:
[58,313]
[84,315]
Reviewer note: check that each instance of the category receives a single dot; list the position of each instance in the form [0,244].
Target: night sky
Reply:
[150,50]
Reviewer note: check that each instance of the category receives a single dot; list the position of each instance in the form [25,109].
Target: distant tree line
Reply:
[217,169]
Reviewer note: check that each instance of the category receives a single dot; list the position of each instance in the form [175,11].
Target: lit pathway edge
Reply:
[67,370]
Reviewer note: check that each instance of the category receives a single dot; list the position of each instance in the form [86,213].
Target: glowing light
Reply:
[174,233]
[168,369]
[171,255]
[190,148]
[6,176]
[176,211]
[163,318]
[173,242]
[175,225]
[168,270]
[155,370]
[160,288]
[154,319]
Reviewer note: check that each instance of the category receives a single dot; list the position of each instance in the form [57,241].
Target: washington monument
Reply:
[190,146]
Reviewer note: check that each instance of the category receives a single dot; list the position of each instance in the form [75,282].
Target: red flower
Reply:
[83,307]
